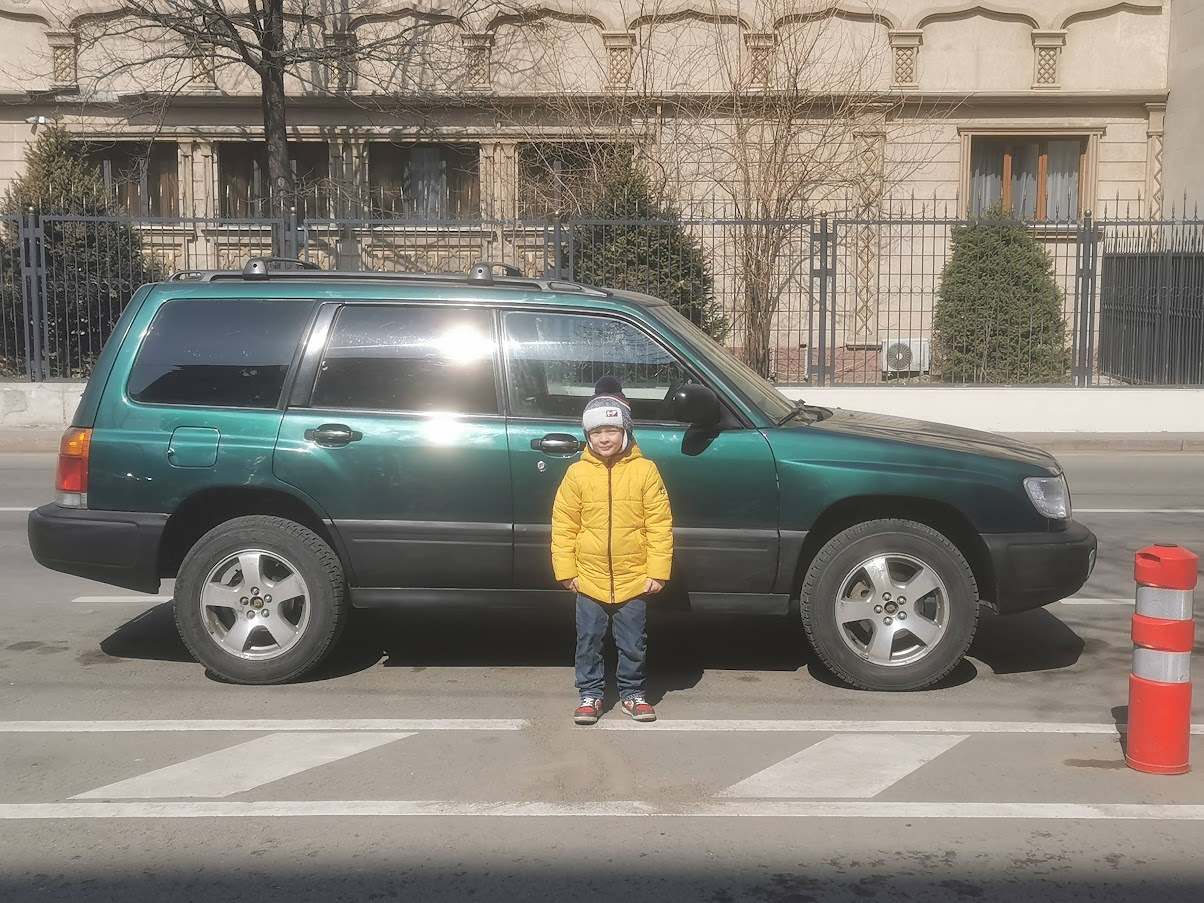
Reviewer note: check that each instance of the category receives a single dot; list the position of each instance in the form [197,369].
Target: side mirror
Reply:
[696,405]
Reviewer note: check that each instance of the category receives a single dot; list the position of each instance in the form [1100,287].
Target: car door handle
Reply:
[333,435]
[561,444]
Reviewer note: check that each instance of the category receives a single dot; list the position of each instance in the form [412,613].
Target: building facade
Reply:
[448,121]
[1051,106]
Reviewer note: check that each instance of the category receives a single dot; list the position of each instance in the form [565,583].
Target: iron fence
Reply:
[828,300]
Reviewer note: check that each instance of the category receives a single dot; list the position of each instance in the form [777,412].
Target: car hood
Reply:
[933,435]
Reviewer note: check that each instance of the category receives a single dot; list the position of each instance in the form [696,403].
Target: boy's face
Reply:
[606,440]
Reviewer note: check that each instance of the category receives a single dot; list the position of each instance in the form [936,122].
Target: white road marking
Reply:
[847,766]
[264,726]
[243,767]
[627,809]
[120,600]
[15,510]
[873,727]
[1074,601]
[1139,510]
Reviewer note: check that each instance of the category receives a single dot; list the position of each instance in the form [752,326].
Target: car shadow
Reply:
[683,646]
[151,635]
[1027,643]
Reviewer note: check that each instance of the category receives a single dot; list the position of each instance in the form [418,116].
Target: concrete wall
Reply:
[1183,157]
[49,406]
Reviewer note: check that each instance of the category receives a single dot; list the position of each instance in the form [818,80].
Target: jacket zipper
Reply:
[610,528]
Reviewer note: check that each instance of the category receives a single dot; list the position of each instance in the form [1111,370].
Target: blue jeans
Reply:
[627,621]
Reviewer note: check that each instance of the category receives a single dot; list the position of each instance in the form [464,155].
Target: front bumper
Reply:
[120,548]
[1034,569]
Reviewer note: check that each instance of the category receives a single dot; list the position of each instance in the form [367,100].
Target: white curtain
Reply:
[1062,186]
[986,176]
[1025,160]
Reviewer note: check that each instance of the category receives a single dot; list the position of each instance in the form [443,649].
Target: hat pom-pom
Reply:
[608,385]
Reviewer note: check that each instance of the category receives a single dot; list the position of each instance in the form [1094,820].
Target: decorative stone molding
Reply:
[204,69]
[341,61]
[1047,47]
[862,329]
[620,56]
[760,46]
[1155,131]
[478,49]
[905,50]
[64,55]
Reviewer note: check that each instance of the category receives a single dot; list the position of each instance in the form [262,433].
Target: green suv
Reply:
[288,443]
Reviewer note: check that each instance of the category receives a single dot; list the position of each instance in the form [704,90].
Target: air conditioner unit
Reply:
[905,356]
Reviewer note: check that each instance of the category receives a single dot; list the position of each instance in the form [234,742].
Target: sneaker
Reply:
[589,711]
[638,709]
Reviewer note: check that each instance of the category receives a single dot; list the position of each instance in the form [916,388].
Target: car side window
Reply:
[409,359]
[554,360]
[218,352]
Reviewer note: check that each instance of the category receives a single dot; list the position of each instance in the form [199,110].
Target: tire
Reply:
[245,634]
[867,570]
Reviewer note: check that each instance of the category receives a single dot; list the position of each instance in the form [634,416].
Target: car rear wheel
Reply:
[890,605]
[260,600]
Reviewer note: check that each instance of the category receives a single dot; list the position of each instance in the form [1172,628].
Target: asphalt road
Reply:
[434,757]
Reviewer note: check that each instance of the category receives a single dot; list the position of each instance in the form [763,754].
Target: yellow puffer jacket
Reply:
[612,527]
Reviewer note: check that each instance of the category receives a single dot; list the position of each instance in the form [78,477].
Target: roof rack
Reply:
[480,273]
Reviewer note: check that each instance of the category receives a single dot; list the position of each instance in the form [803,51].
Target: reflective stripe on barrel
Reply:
[1162,667]
[1167,604]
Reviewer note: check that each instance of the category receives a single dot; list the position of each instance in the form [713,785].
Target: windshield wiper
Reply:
[800,407]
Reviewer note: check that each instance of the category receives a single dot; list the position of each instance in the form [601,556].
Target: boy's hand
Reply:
[570,584]
[653,586]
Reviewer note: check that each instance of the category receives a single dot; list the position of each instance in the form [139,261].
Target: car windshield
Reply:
[754,387]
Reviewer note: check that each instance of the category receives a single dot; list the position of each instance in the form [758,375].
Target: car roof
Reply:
[282,271]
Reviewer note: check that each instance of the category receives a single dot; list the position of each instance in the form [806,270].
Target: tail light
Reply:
[71,481]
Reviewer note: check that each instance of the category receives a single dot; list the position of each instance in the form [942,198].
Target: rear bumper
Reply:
[120,548]
[1035,569]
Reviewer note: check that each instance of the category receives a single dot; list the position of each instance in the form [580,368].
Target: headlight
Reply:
[1050,496]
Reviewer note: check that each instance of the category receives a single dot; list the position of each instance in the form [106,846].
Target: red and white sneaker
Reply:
[589,711]
[638,709]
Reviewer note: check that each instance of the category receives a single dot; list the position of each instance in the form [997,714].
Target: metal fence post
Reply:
[1087,252]
[557,248]
[821,271]
[33,287]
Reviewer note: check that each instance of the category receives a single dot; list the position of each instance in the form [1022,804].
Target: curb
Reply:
[1160,443]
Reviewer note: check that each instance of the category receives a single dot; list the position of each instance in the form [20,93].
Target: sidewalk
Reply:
[30,441]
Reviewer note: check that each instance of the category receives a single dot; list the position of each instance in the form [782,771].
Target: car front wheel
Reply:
[890,605]
[260,600]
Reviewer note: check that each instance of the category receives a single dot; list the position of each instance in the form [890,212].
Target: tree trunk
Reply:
[281,186]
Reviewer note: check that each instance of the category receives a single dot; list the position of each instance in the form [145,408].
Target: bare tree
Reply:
[282,47]
[762,122]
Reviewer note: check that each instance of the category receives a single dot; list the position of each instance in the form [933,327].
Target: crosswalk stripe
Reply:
[264,725]
[870,727]
[625,809]
[846,766]
[244,767]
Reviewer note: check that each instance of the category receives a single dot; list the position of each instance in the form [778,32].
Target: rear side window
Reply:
[411,359]
[218,353]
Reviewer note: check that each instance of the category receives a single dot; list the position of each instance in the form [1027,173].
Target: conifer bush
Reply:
[999,314]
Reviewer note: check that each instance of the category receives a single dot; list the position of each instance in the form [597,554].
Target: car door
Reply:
[402,443]
[722,488]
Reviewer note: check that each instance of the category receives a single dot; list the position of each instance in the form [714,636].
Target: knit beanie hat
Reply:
[608,407]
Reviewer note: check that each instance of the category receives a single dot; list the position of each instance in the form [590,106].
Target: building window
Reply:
[1036,178]
[142,178]
[560,178]
[424,181]
[243,177]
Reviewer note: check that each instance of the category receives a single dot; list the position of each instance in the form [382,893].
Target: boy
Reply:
[612,544]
